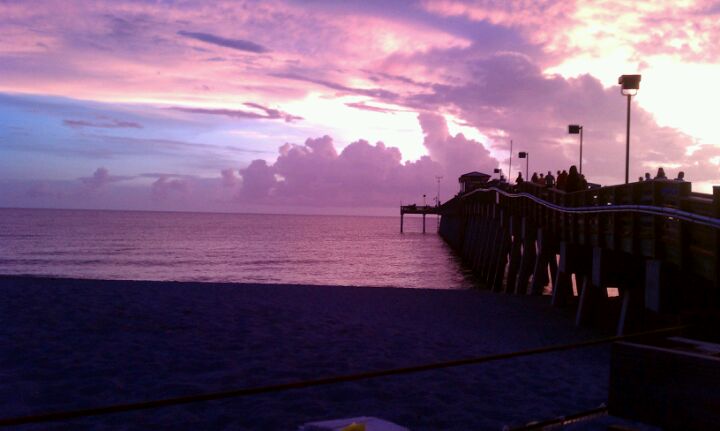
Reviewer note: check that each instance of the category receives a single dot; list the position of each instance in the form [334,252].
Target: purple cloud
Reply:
[363,174]
[365,107]
[509,97]
[269,113]
[258,181]
[273,113]
[101,177]
[112,124]
[228,177]
[165,186]
[456,153]
[238,44]
[370,92]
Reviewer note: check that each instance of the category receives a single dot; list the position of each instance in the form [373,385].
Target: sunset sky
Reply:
[328,106]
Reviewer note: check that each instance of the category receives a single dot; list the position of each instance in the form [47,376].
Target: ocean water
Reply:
[251,248]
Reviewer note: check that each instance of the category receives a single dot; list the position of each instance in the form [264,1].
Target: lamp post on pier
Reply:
[575,129]
[630,84]
[525,155]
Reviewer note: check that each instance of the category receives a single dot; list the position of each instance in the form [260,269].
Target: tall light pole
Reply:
[437,199]
[630,84]
[525,155]
[510,164]
[574,129]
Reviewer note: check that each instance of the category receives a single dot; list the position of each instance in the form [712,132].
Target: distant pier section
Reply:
[416,209]
[468,182]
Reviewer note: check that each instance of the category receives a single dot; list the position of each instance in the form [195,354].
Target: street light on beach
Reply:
[630,84]
[575,129]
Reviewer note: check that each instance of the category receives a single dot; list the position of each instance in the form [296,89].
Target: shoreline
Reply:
[80,343]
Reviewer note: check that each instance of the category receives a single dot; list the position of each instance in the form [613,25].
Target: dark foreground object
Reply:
[674,385]
[75,344]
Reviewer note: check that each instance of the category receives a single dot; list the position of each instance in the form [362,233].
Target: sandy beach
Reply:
[72,344]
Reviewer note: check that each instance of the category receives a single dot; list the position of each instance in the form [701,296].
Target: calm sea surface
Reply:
[359,251]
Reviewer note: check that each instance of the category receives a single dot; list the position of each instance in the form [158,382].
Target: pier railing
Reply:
[657,241]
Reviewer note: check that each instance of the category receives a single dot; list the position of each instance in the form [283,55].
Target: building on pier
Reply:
[472,180]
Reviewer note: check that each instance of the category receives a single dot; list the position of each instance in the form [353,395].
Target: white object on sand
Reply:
[371,424]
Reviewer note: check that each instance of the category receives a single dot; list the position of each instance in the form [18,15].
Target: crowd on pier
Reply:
[572,180]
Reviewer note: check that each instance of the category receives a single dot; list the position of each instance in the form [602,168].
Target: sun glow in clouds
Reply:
[393,125]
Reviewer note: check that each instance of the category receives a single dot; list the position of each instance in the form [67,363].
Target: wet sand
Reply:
[72,344]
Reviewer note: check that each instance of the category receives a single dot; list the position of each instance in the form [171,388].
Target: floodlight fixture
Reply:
[629,86]
[525,155]
[575,129]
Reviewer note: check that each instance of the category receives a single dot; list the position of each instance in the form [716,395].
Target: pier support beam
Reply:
[486,245]
[497,270]
[631,311]
[660,281]
[515,254]
[402,219]
[593,300]
[576,260]
[423,222]
[529,254]
[546,259]
[491,250]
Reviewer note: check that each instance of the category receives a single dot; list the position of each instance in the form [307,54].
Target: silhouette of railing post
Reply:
[716,214]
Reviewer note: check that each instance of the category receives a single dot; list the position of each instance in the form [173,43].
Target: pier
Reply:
[656,242]
[416,209]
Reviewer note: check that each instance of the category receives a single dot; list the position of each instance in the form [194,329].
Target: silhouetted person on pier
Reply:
[681,176]
[640,179]
[660,174]
[562,180]
[647,176]
[583,182]
[549,179]
[519,179]
[534,178]
[572,184]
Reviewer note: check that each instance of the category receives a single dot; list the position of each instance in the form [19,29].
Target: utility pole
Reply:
[510,163]
[437,199]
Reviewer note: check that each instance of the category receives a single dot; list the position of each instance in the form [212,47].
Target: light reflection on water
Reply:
[335,250]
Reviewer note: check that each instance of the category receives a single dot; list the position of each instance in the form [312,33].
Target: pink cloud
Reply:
[101,177]
[456,153]
[512,99]
[229,179]
[164,187]
[363,174]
